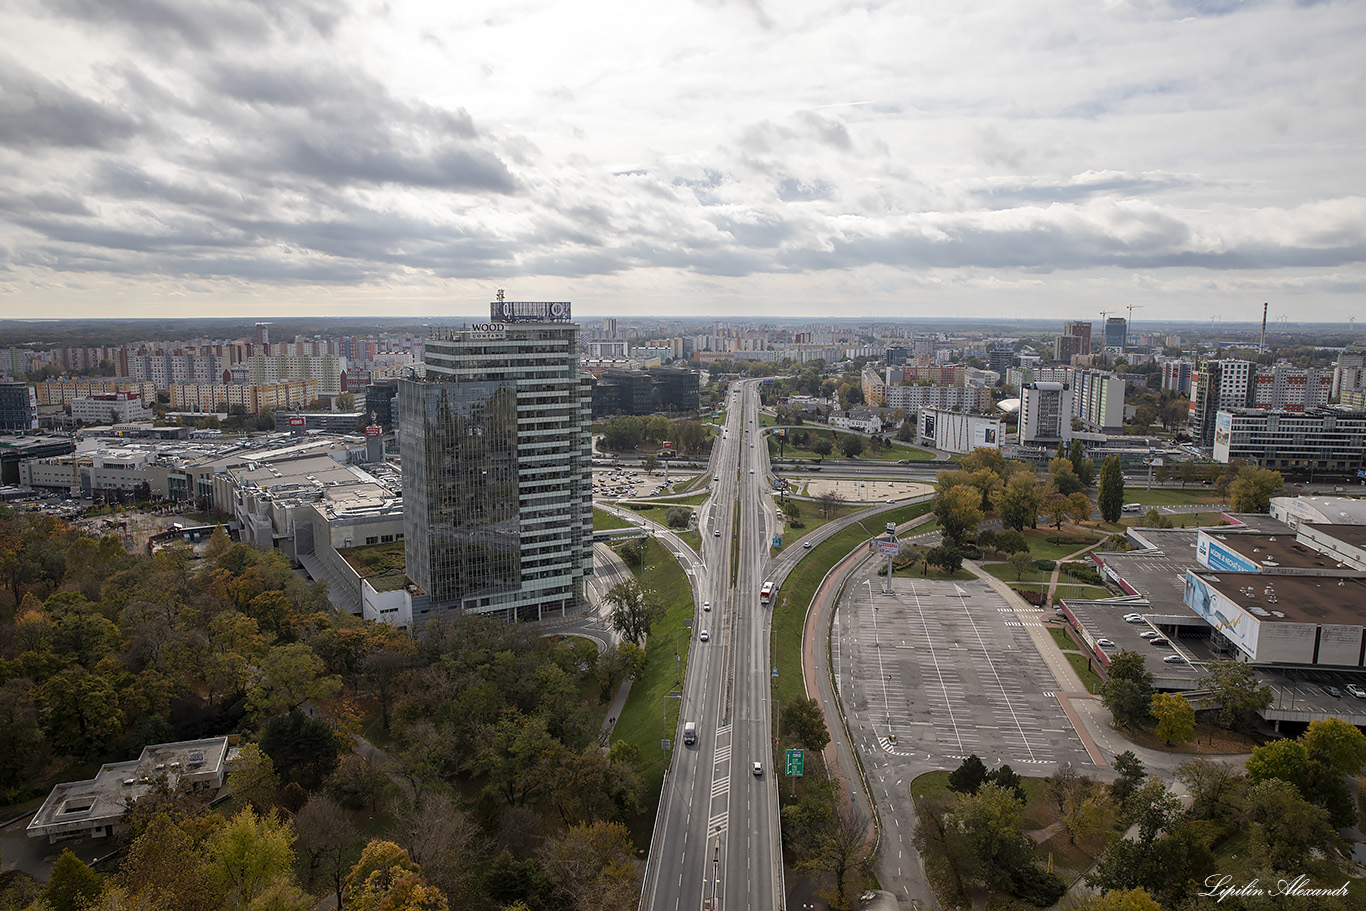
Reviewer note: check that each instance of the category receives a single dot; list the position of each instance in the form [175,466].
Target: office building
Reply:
[495,443]
[1116,332]
[110,408]
[1218,385]
[1319,441]
[1045,413]
[18,407]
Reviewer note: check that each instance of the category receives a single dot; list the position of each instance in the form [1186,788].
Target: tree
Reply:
[822,446]
[677,517]
[827,502]
[1058,508]
[248,853]
[72,884]
[958,512]
[634,610]
[1253,488]
[252,780]
[1020,501]
[81,713]
[1286,829]
[446,844]
[386,879]
[1020,562]
[592,866]
[1081,508]
[945,556]
[1215,788]
[851,445]
[1128,691]
[164,869]
[1110,495]
[21,739]
[651,462]
[1235,689]
[357,781]
[1286,760]
[970,775]
[291,675]
[1011,542]
[1135,899]
[1010,780]
[843,850]
[1131,775]
[304,749]
[1175,717]
[326,838]
[1336,743]
[1082,467]
[1063,477]
[805,720]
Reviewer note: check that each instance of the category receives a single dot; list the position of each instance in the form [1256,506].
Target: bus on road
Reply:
[766,593]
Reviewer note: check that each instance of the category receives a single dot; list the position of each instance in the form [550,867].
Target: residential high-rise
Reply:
[1350,374]
[1065,347]
[1098,400]
[1218,385]
[1285,387]
[1045,413]
[1082,330]
[496,445]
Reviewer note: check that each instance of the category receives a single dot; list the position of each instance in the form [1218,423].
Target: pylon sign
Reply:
[794,763]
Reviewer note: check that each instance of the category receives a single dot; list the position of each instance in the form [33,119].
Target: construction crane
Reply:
[1129,328]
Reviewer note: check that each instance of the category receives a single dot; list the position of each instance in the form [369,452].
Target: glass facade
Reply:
[496,471]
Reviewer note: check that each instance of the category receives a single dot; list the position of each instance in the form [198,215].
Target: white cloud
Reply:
[839,158]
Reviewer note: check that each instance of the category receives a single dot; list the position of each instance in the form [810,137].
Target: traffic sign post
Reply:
[794,768]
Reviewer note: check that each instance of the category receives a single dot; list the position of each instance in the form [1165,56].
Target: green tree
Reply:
[165,869]
[247,854]
[958,512]
[1286,760]
[1110,495]
[1175,717]
[71,885]
[386,879]
[1253,488]
[1136,899]
[253,780]
[1128,691]
[1131,776]
[592,865]
[21,739]
[805,720]
[945,556]
[80,712]
[822,446]
[970,775]
[1020,562]
[1336,743]
[1286,829]
[1084,468]
[1058,508]
[1234,687]
[291,675]
[1063,477]
[1020,501]
[677,517]
[1216,788]
[304,749]
[1007,778]
[851,445]
[634,610]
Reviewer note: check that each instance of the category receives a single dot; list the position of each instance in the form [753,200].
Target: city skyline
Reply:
[1193,159]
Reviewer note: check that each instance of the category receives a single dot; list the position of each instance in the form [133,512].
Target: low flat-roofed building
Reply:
[93,808]
[1319,510]
[1282,619]
[1283,553]
[1344,543]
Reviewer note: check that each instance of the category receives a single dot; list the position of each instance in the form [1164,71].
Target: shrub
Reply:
[1044,566]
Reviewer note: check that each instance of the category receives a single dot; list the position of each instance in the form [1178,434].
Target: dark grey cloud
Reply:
[36,112]
[1007,194]
[205,24]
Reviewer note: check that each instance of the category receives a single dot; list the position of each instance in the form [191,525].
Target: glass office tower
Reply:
[497,485]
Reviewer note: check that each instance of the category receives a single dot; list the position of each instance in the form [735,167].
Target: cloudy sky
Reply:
[1046,158]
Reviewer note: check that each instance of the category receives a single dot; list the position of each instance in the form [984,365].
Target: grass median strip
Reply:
[799,588]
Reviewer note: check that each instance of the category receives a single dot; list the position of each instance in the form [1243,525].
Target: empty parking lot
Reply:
[939,670]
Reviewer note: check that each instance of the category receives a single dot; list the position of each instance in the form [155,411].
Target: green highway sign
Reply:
[794,763]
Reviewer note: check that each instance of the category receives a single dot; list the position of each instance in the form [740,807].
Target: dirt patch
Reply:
[1208,740]
[855,491]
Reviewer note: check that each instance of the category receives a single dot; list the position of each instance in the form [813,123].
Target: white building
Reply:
[110,408]
[1098,400]
[953,431]
[1045,413]
[860,418]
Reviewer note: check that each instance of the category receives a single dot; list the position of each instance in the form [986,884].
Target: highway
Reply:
[716,843]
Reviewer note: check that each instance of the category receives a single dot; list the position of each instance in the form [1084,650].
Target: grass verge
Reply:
[643,719]
[794,598]
[602,521]
[1089,678]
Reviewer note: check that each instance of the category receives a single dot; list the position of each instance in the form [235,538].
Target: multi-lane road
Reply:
[716,843]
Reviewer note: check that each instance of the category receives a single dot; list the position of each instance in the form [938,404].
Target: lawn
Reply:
[382,565]
[643,720]
[1062,637]
[811,520]
[794,598]
[1165,497]
[1041,546]
[1089,678]
[602,521]
[1181,519]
